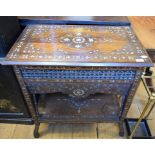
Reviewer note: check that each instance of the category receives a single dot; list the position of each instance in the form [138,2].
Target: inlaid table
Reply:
[78,73]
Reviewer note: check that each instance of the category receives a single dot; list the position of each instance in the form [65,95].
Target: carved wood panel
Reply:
[99,106]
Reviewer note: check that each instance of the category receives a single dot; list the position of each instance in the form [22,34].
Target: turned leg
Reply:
[121,129]
[36,130]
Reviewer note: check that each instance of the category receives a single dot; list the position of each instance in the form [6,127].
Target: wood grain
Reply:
[22,131]
[7,130]
[78,44]
[85,131]
[144,27]
[108,131]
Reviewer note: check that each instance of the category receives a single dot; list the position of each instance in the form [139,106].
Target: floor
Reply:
[105,130]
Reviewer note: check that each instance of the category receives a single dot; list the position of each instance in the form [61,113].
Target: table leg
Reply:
[121,129]
[36,130]
[148,72]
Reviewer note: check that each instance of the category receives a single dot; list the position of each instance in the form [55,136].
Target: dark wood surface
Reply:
[91,20]
[142,25]
[12,104]
[78,45]
[79,84]
[13,108]
[9,31]
[91,109]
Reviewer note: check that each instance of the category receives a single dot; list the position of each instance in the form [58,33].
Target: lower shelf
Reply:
[16,120]
[62,108]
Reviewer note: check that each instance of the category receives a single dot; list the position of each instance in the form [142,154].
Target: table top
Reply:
[78,20]
[78,45]
[144,27]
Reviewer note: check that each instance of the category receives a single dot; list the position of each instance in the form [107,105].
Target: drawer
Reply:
[79,89]
[77,82]
[77,74]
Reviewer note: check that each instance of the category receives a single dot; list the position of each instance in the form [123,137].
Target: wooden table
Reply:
[78,73]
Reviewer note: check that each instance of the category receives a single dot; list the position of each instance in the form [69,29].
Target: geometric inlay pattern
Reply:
[78,43]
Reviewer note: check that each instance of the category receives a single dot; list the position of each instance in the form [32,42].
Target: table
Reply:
[78,73]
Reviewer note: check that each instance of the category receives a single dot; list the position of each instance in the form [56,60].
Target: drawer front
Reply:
[78,82]
[78,74]
[77,90]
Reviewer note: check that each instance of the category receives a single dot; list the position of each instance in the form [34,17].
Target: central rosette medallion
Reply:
[78,40]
